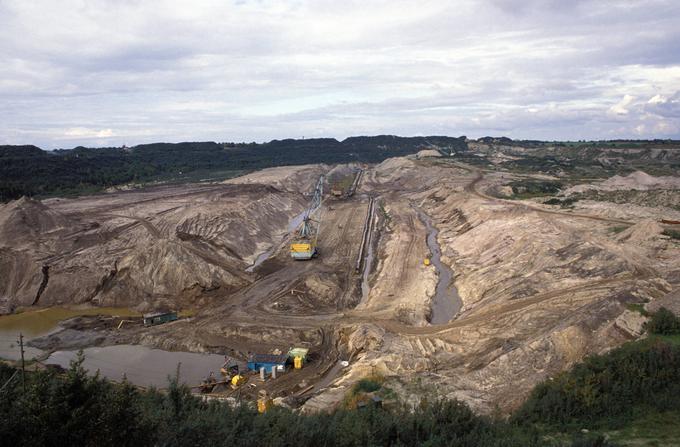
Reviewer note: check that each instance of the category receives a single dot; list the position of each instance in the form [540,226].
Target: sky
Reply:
[108,73]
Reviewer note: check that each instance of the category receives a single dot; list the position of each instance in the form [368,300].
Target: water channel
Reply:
[446,302]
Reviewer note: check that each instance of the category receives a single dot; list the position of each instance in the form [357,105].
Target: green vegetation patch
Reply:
[563,203]
[367,385]
[618,229]
[523,189]
[650,428]
[664,322]
[673,234]
[607,391]
[639,308]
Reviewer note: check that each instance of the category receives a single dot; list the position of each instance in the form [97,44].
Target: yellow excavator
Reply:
[304,246]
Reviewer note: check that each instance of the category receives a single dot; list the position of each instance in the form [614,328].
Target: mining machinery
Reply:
[304,246]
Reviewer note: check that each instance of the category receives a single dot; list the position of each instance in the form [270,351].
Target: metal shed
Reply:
[155,318]
[267,361]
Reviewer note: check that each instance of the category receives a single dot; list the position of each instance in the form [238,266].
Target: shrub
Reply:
[673,234]
[664,322]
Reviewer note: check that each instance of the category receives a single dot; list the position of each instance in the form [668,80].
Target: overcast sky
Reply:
[100,73]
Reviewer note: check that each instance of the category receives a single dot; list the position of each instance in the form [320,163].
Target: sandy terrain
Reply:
[541,286]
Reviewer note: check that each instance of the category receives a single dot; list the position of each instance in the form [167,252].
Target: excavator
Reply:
[304,246]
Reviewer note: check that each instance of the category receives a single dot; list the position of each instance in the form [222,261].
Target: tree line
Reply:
[30,171]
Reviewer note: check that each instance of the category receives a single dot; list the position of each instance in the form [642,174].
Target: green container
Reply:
[159,318]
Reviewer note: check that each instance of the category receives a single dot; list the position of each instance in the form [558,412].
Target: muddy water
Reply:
[35,323]
[446,302]
[143,366]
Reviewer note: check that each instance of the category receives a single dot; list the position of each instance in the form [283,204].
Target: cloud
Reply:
[82,132]
[106,72]
[620,108]
[668,107]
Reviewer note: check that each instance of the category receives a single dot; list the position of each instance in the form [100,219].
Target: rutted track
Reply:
[472,188]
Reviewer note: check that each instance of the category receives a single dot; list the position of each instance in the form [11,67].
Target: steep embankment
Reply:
[148,248]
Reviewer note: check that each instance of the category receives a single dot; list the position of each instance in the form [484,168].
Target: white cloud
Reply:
[82,132]
[620,108]
[257,70]
[657,99]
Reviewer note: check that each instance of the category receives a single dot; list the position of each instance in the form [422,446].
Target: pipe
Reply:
[364,237]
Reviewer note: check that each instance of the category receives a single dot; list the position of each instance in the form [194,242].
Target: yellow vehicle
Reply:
[264,402]
[238,380]
[302,249]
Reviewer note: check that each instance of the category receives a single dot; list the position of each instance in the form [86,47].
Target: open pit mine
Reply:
[294,283]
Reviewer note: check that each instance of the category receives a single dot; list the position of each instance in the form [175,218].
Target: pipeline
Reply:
[355,184]
[366,235]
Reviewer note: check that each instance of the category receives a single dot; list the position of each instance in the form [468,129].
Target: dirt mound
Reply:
[26,218]
[641,181]
[428,153]
[287,178]
[164,269]
[638,180]
[642,231]
[137,247]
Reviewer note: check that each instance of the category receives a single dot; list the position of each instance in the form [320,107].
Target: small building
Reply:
[155,318]
[267,361]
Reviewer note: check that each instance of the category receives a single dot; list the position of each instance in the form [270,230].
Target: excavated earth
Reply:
[541,287]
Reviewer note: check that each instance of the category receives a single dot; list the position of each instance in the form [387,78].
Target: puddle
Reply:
[446,302]
[143,366]
[35,323]
[40,321]
[9,348]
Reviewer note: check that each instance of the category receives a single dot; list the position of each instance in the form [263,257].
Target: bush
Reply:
[673,234]
[664,322]
[606,390]
[562,203]
[530,188]
[367,385]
